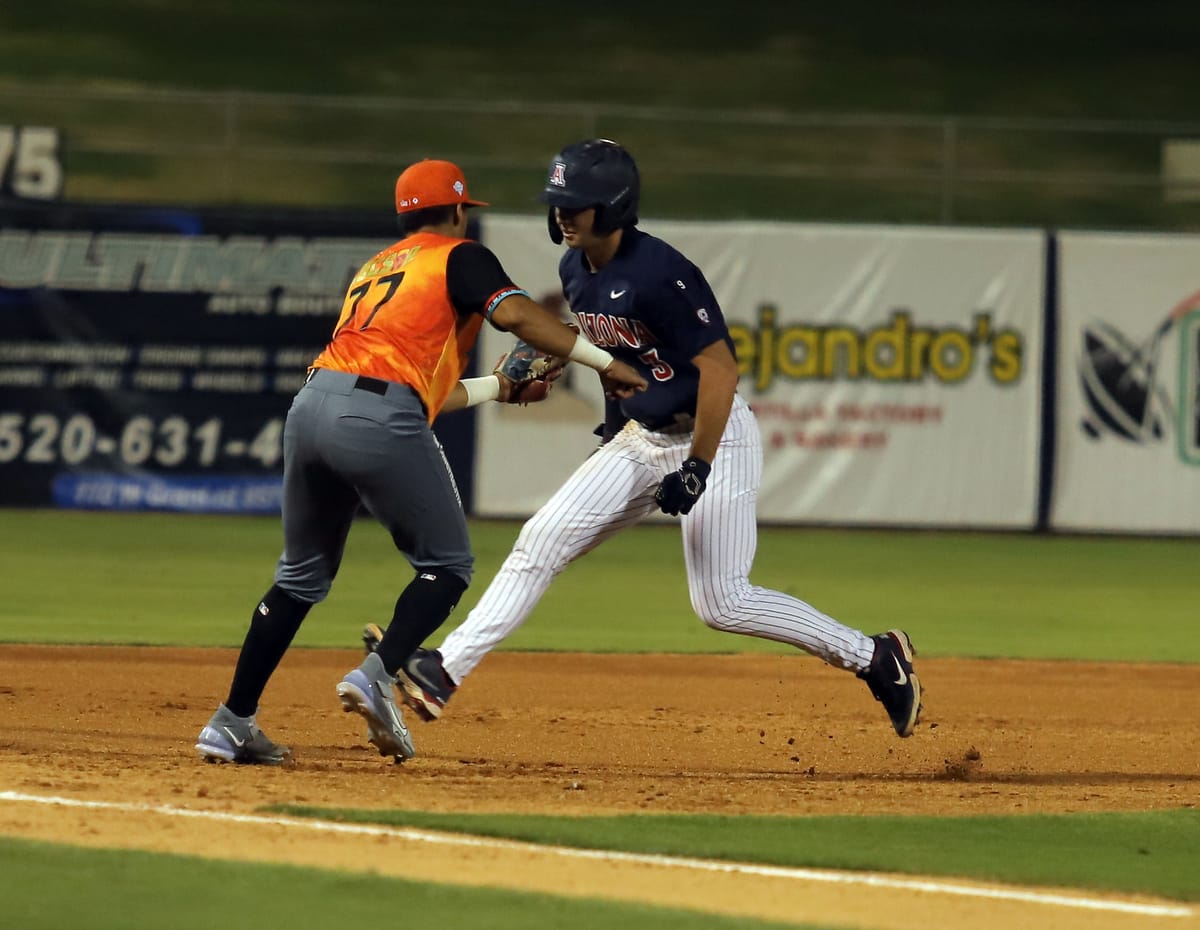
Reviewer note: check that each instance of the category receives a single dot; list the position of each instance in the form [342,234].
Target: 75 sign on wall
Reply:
[30,163]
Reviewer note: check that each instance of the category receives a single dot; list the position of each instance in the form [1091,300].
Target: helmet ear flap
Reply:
[556,235]
[600,223]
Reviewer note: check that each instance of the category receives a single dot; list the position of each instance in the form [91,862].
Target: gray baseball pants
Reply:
[350,439]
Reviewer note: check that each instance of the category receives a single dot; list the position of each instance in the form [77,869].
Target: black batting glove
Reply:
[678,492]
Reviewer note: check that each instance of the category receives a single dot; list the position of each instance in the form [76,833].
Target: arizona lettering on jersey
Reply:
[605,330]
[653,309]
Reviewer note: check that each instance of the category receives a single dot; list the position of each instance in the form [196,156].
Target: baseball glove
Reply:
[527,374]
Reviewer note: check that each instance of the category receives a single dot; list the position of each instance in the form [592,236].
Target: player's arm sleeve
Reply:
[687,312]
[476,280]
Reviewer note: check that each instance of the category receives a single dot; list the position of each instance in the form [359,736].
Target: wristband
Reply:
[698,467]
[499,296]
[587,354]
[481,389]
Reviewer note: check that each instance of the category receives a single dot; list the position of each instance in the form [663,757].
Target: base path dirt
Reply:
[588,734]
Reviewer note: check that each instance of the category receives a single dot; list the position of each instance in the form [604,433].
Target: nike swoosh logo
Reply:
[392,711]
[903,679]
[239,743]
[615,294]
[396,721]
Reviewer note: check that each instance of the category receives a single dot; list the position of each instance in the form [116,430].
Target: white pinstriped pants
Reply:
[613,489]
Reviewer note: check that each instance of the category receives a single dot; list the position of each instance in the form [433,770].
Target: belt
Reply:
[374,385]
[361,383]
[661,423]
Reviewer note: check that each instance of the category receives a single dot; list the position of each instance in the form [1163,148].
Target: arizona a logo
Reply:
[558,174]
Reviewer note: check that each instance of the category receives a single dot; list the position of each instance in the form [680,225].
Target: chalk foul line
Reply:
[828,876]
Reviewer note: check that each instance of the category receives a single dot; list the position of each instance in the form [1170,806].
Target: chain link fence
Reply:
[192,148]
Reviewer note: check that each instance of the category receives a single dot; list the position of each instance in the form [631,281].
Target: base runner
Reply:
[688,445]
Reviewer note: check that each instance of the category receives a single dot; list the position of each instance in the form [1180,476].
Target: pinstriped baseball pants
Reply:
[614,489]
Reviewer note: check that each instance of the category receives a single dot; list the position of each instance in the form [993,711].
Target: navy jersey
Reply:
[651,308]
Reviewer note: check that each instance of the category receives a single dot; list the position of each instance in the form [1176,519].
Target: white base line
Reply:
[874,880]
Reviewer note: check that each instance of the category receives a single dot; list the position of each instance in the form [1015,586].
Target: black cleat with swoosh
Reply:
[424,684]
[421,682]
[891,678]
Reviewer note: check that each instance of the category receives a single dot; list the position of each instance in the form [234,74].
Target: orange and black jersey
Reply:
[413,312]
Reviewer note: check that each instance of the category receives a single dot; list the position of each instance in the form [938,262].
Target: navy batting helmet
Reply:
[595,173]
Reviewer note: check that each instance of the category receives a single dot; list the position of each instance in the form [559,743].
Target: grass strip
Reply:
[1153,852]
[958,594]
[48,886]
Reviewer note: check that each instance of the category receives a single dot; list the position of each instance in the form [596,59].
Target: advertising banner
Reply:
[895,372]
[1127,453]
[150,355]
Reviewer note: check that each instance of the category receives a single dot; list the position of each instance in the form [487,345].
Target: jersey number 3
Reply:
[660,369]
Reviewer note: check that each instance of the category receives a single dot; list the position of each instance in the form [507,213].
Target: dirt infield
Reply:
[602,734]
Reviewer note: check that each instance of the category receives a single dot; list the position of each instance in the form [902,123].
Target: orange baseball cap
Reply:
[432,183]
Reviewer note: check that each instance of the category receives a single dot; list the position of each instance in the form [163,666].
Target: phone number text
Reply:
[48,439]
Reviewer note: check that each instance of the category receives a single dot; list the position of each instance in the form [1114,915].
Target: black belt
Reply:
[661,423]
[374,385]
[361,383]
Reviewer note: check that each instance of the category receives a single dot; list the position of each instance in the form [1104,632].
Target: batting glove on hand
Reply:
[678,492]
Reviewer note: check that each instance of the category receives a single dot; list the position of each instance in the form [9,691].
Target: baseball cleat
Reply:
[367,691]
[230,738]
[424,684]
[891,678]
[372,636]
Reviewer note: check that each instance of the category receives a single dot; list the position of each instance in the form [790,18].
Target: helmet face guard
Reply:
[596,173]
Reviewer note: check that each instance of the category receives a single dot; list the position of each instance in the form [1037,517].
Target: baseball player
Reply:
[689,445]
[358,432]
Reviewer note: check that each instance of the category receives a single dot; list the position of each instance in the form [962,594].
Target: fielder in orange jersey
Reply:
[358,433]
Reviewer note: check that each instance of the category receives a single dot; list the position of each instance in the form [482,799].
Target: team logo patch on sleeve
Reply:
[702,315]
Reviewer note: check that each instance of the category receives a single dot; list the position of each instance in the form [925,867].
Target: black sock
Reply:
[421,608]
[275,621]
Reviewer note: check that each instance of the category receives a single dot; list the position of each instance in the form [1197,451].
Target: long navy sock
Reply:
[272,627]
[421,608]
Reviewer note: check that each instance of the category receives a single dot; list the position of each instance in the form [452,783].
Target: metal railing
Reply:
[187,147]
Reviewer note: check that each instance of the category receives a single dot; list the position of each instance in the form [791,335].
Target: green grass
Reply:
[1154,853]
[50,887]
[74,577]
